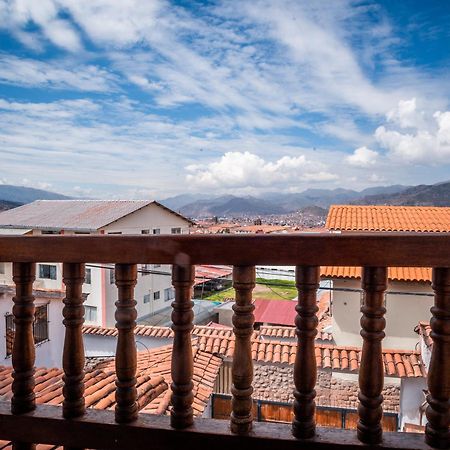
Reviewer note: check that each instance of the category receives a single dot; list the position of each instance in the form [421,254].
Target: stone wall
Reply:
[276,383]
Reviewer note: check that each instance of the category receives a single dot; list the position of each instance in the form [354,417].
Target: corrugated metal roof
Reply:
[388,218]
[71,214]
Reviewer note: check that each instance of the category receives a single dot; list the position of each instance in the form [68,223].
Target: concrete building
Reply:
[153,291]
[409,288]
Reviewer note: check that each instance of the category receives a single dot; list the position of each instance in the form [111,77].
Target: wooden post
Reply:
[305,367]
[23,354]
[73,354]
[371,371]
[242,366]
[182,364]
[438,411]
[126,359]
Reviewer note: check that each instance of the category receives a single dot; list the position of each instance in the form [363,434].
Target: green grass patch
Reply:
[266,289]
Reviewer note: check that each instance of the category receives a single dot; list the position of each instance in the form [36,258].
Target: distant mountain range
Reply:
[312,201]
[279,203]
[20,195]
[422,195]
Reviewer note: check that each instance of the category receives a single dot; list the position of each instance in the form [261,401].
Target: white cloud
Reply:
[245,169]
[405,114]
[427,140]
[45,14]
[362,157]
[56,75]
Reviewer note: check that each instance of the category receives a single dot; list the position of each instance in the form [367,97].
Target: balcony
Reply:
[75,426]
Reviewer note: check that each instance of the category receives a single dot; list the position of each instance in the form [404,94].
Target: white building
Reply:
[409,295]
[153,290]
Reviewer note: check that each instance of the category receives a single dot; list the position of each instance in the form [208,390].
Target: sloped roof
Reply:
[218,341]
[153,382]
[89,215]
[388,218]
[277,312]
[289,333]
[419,274]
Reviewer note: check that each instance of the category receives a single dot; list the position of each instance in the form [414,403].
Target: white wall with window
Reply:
[48,329]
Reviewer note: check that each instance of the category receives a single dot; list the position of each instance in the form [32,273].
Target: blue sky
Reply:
[133,98]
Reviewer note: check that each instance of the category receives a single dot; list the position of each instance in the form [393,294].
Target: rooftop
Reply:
[153,382]
[89,215]
[418,274]
[388,218]
[221,342]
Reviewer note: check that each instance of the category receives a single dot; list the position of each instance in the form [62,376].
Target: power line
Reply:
[269,284]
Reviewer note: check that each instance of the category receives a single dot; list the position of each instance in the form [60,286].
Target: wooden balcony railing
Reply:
[74,426]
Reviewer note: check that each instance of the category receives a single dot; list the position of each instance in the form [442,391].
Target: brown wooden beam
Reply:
[331,249]
[96,429]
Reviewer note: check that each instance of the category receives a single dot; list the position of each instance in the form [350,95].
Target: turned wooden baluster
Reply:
[242,368]
[126,360]
[23,354]
[438,411]
[305,368]
[371,371]
[182,365]
[73,354]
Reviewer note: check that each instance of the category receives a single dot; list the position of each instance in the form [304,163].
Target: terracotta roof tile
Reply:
[420,274]
[288,333]
[388,218]
[153,381]
[221,342]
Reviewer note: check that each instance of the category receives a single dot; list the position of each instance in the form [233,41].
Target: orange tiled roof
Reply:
[397,363]
[289,333]
[158,332]
[421,274]
[222,342]
[388,218]
[153,382]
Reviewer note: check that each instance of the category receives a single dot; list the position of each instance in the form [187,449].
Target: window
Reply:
[87,276]
[155,266]
[82,232]
[50,232]
[156,295]
[145,231]
[145,269]
[176,230]
[112,276]
[156,231]
[169,294]
[47,271]
[2,268]
[147,298]
[114,232]
[40,325]
[40,328]
[90,313]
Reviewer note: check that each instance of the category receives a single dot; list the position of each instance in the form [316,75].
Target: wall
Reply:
[95,345]
[411,397]
[48,353]
[399,330]
[148,218]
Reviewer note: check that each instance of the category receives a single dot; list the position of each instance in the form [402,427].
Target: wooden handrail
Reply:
[374,252]
[126,358]
[305,368]
[322,249]
[242,368]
